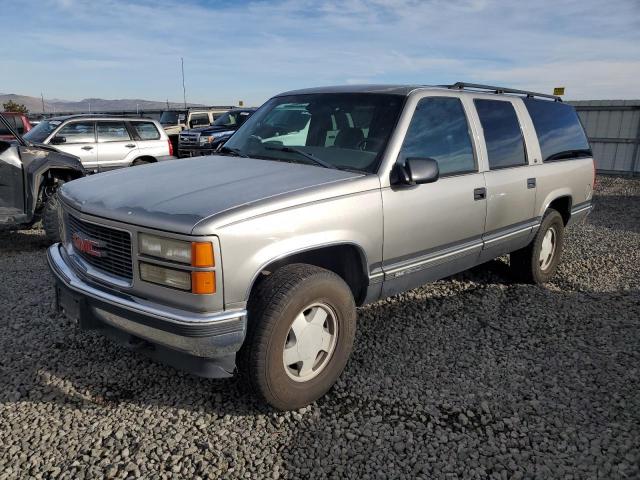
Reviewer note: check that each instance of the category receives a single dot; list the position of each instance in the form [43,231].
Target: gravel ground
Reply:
[471,377]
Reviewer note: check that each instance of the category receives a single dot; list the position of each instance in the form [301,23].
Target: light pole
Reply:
[184,90]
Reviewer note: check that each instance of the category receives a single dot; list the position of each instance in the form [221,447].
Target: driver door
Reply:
[79,139]
[434,230]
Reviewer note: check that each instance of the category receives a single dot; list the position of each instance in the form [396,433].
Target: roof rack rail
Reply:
[476,86]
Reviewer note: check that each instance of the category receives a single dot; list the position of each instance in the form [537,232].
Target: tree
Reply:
[12,106]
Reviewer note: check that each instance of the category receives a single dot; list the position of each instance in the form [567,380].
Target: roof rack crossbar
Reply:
[476,86]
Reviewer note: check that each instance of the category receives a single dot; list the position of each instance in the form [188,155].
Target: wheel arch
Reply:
[347,260]
[145,158]
[562,205]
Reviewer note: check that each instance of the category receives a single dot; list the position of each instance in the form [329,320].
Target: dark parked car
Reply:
[206,140]
[18,121]
[29,179]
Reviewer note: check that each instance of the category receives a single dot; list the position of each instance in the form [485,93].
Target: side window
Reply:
[112,132]
[146,130]
[502,134]
[199,119]
[19,126]
[78,132]
[242,117]
[439,130]
[559,131]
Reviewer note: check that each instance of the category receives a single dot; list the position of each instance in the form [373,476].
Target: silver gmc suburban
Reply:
[325,199]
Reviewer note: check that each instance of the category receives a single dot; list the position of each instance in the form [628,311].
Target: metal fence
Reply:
[613,128]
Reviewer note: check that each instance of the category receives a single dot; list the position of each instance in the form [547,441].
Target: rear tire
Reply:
[302,322]
[140,161]
[537,262]
[51,219]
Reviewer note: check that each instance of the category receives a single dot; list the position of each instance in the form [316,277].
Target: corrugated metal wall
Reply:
[613,128]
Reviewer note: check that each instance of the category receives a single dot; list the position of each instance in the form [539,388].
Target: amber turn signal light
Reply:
[203,282]
[202,254]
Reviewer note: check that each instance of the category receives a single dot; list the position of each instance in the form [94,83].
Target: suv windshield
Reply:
[171,117]
[345,130]
[40,132]
[227,119]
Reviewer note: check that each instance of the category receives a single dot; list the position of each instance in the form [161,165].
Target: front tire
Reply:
[537,262]
[51,219]
[302,322]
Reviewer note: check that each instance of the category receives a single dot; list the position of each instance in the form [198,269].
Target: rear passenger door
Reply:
[116,148]
[434,230]
[150,142]
[510,186]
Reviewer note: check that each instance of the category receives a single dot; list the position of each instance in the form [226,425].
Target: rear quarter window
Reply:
[146,130]
[559,130]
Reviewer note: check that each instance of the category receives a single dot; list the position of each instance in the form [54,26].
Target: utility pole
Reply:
[184,90]
[42,98]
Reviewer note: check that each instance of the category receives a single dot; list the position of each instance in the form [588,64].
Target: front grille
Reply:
[114,245]
[189,139]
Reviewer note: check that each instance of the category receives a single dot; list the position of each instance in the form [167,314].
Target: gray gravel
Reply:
[471,377]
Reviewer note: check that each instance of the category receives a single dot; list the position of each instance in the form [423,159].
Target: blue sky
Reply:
[250,50]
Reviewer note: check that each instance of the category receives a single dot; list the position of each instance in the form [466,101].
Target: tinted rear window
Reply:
[146,130]
[15,121]
[560,133]
[505,145]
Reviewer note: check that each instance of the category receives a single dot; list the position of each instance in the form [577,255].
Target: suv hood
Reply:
[176,195]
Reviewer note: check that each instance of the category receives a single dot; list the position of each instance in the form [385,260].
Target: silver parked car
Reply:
[105,142]
[325,199]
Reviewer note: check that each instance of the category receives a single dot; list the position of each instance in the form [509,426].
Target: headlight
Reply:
[207,139]
[165,248]
[165,276]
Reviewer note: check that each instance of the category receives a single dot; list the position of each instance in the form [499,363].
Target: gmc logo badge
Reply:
[87,245]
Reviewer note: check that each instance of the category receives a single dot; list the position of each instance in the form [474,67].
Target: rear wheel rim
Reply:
[548,248]
[310,342]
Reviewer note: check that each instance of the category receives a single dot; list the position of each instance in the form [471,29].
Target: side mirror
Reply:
[416,171]
[58,140]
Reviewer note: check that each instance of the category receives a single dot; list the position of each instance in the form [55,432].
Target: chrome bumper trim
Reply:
[73,281]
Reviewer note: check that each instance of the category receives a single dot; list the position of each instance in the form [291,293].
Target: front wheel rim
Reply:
[310,342]
[548,248]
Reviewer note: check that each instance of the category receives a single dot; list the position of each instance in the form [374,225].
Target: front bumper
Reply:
[200,343]
[195,151]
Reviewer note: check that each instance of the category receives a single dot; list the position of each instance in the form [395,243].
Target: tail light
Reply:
[170,147]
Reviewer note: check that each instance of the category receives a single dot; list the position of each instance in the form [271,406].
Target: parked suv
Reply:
[206,140]
[18,121]
[29,178]
[325,199]
[105,142]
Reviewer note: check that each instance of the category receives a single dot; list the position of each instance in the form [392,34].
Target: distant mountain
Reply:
[34,104]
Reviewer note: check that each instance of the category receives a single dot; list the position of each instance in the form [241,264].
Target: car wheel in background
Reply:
[301,326]
[51,219]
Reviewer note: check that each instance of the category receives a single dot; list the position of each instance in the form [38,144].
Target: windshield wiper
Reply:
[235,151]
[307,155]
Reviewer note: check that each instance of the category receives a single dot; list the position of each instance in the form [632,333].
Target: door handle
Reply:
[130,145]
[87,148]
[531,183]
[480,193]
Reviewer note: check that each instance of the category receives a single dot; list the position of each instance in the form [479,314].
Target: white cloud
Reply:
[252,50]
